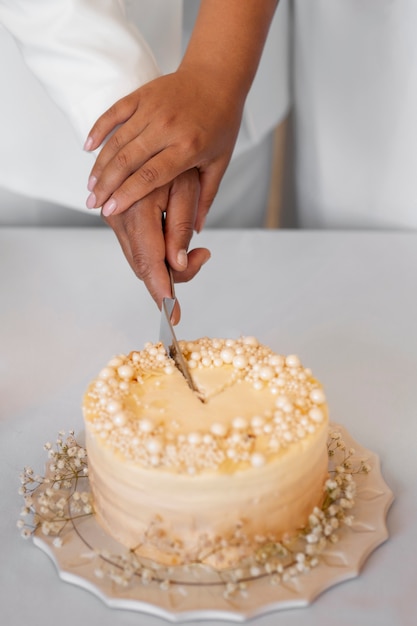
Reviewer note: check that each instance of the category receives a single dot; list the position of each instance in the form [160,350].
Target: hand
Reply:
[170,125]
[146,245]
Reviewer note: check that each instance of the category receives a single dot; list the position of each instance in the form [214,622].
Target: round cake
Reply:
[180,480]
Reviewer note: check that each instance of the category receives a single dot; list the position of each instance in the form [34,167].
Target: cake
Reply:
[180,480]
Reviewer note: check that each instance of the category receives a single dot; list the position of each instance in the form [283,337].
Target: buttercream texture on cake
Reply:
[180,480]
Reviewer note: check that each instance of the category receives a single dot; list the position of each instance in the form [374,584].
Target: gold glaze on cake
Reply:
[185,481]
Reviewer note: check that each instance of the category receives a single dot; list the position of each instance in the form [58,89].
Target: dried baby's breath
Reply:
[53,501]
[62,496]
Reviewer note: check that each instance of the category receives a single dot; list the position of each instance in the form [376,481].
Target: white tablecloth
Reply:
[346,303]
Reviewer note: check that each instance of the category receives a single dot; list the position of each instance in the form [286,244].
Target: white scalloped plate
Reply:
[189,599]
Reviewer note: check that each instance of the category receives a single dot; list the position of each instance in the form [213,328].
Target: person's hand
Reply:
[147,246]
[170,125]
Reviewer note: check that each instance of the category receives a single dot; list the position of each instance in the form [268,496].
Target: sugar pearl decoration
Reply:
[154,445]
[119,419]
[217,429]
[250,341]
[146,425]
[115,362]
[257,459]
[295,407]
[292,360]
[114,406]
[257,421]
[227,355]
[266,373]
[239,423]
[106,373]
[126,372]
[194,438]
[240,362]
[317,396]
[276,360]
[316,415]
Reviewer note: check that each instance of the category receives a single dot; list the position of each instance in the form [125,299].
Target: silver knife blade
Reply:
[168,338]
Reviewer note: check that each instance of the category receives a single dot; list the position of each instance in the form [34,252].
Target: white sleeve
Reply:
[85,53]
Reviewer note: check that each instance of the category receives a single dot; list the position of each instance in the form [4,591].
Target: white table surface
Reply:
[346,303]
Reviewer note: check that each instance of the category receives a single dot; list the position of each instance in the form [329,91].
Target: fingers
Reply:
[196,259]
[117,114]
[180,218]
[129,179]
[210,179]
[139,232]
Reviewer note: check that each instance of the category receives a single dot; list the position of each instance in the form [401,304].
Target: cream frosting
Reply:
[184,481]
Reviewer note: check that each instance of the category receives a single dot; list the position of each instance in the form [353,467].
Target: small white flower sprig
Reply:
[53,501]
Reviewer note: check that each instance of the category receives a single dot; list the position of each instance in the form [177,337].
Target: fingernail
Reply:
[109,207]
[91,183]
[88,144]
[182,258]
[91,201]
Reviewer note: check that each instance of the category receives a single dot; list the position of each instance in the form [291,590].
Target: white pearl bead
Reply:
[257,421]
[227,355]
[106,372]
[316,415]
[250,341]
[276,360]
[288,407]
[266,372]
[292,360]
[219,430]
[240,362]
[317,396]
[281,401]
[194,438]
[115,362]
[146,425]
[126,372]
[113,406]
[239,423]
[154,445]
[258,385]
[257,459]
[119,419]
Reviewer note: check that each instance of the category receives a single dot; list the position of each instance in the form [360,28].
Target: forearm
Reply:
[227,42]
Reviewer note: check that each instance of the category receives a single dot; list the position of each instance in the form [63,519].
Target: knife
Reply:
[169,340]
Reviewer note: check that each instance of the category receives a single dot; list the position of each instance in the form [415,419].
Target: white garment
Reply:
[356,113]
[86,55]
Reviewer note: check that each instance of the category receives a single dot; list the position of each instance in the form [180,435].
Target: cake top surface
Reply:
[258,404]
